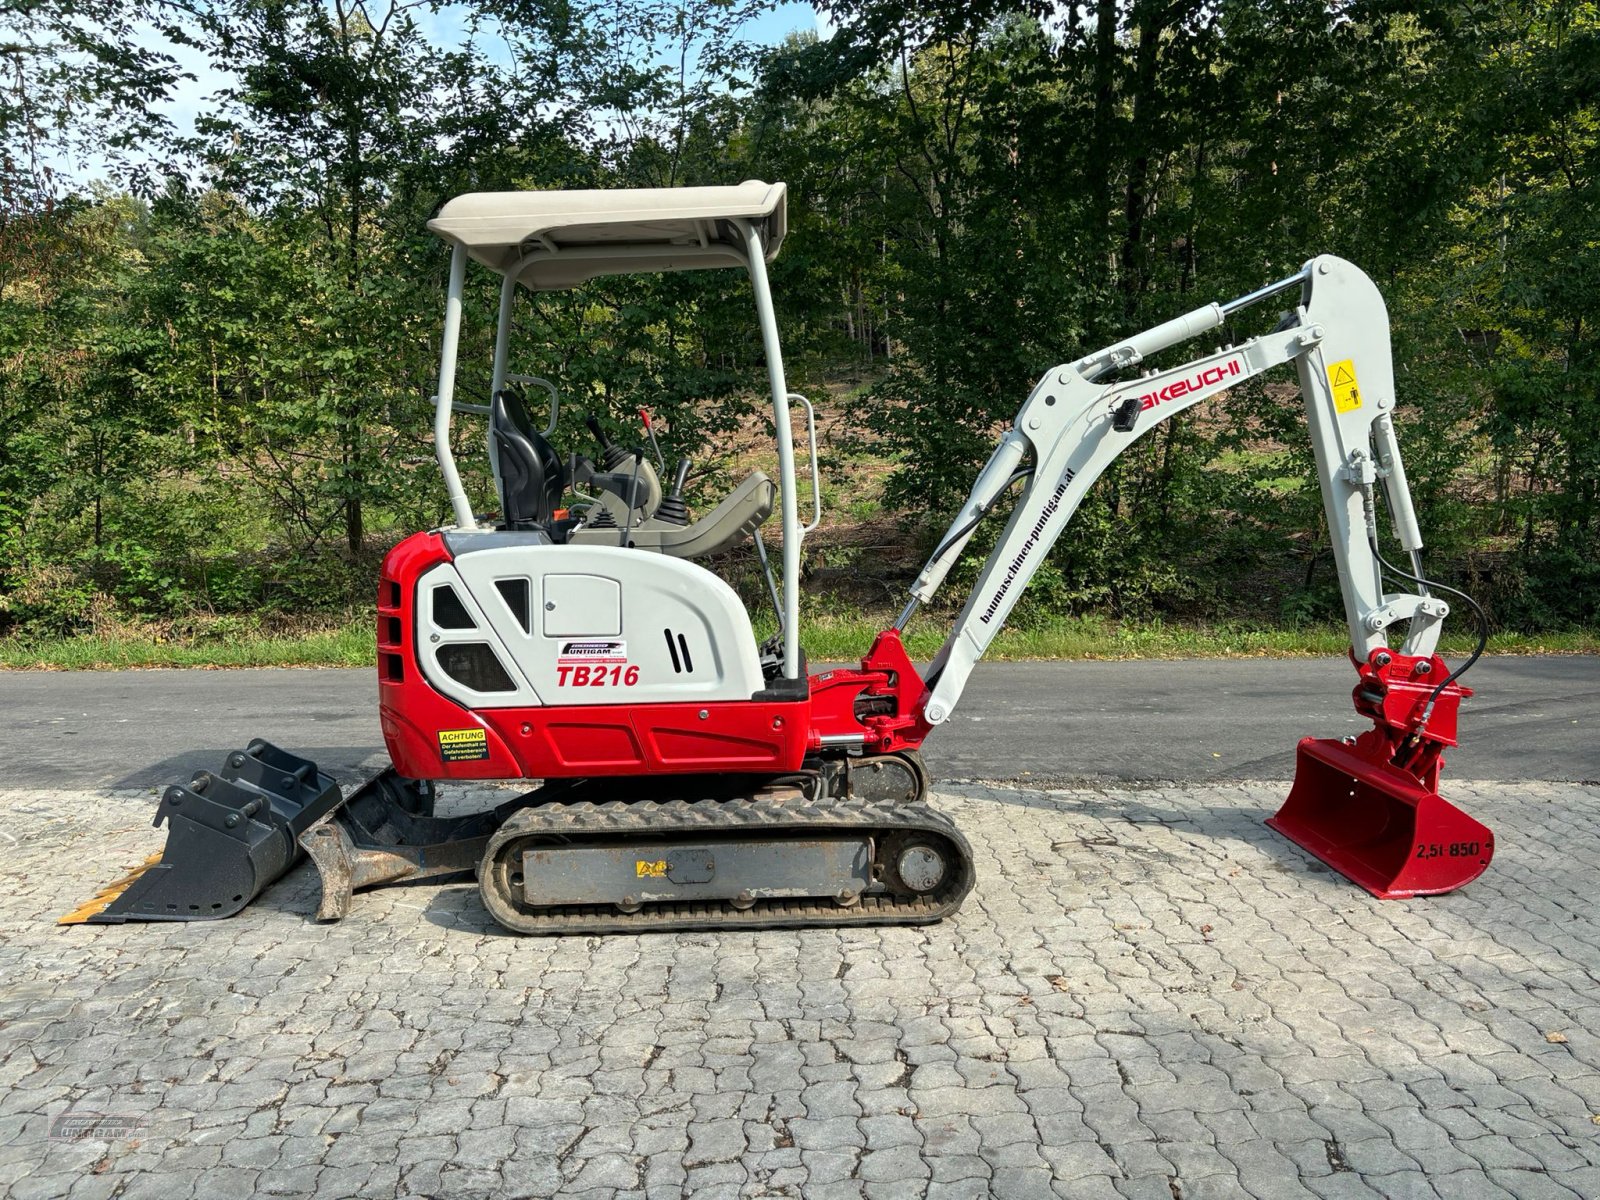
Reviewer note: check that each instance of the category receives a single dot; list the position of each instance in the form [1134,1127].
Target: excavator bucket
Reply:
[1378,826]
[230,836]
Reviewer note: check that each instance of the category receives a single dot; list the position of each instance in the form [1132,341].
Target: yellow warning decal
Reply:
[1342,379]
[646,868]
[463,745]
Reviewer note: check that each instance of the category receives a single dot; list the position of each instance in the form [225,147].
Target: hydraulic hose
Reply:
[1478,616]
[1019,473]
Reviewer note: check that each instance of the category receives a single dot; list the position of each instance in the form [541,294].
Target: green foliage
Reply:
[1034,191]
[215,391]
[80,78]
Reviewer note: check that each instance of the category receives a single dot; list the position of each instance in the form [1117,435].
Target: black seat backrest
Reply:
[532,476]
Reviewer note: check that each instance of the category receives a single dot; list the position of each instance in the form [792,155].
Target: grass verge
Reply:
[841,639]
[828,638]
[346,645]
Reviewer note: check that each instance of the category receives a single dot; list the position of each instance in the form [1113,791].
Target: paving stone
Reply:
[714,1141]
[888,1131]
[1080,1159]
[1403,1185]
[899,1163]
[1023,1183]
[1070,1033]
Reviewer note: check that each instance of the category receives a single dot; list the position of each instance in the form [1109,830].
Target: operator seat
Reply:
[532,476]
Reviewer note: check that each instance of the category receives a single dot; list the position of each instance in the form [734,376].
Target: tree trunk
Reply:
[1105,99]
[1136,197]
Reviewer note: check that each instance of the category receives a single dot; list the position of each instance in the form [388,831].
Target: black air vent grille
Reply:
[448,611]
[474,665]
[678,648]
[515,593]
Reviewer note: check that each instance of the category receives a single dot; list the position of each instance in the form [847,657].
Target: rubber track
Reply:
[558,822]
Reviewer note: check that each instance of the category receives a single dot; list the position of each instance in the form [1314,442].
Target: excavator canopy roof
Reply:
[554,240]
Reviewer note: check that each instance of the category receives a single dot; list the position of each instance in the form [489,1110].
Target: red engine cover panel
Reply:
[652,739]
[412,713]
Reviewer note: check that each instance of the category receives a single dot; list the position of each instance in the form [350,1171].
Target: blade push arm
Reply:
[1071,428]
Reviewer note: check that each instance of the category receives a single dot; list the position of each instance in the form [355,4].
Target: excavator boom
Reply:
[1371,809]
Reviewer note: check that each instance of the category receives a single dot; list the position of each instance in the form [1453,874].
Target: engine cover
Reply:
[503,656]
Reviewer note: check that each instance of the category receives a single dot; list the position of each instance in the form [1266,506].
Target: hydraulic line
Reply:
[910,609]
[1479,617]
[1019,473]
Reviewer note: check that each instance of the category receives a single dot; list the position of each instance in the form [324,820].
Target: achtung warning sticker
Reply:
[463,745]
[645,868]
[1342,380]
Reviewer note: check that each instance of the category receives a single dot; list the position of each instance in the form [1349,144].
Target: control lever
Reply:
[673,510]
[611,455]
[633,490]
[623,484]
[644,415]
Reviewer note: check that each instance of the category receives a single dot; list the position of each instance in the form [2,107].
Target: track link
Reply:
[786,814]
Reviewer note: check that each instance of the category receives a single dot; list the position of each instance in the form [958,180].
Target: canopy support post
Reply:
[756,263]
[449,345]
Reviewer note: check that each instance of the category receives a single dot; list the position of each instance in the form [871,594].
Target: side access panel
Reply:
[596,625]
[646,739]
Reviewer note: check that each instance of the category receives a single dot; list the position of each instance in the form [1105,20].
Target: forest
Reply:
[219,335]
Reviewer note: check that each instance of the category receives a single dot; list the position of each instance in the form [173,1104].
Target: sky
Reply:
[445,27]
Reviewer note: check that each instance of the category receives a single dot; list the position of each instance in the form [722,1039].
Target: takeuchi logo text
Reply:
[1198,382]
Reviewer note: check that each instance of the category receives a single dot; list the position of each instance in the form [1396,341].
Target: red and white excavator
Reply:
[690,777]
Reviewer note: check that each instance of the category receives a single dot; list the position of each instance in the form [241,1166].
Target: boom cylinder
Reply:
[986,489]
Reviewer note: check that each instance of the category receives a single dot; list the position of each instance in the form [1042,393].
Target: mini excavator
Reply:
[691,777]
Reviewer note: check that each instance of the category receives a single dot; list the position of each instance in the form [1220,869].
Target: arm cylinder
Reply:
[1152,341]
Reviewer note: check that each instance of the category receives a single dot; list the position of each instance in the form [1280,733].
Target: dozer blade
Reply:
[1378,826]
[385,833]
[230,836]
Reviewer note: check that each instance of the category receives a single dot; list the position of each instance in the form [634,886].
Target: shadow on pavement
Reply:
[350,765]
[1218,822]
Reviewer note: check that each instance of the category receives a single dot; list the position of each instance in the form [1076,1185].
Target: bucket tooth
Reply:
[1378,826]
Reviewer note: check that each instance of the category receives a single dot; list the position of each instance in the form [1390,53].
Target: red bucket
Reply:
[1377,825]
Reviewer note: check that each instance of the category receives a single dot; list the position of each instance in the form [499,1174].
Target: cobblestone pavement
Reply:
[1147,995]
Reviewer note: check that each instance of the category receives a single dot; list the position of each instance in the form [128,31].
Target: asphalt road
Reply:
[1039,723]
